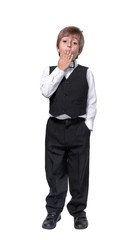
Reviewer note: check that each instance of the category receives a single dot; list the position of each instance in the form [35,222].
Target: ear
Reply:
[57,49]
[79,53]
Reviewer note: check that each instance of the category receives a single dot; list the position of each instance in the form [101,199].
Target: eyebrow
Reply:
[72,37]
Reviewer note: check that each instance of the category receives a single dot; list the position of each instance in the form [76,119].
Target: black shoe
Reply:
[51,220]
[80,222]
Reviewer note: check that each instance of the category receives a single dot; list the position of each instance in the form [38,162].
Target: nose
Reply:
[69,44]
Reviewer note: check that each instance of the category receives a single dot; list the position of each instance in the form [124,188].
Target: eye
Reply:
[75,43]
[64,40]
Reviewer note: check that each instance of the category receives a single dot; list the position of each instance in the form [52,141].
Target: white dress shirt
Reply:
[50,83]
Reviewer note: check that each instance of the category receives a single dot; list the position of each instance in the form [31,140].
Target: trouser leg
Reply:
[55,166]
[78,170]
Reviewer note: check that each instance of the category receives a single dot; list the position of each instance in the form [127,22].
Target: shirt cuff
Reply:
[89,124]
[58,71]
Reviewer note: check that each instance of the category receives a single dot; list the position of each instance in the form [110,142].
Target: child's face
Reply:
[69,43]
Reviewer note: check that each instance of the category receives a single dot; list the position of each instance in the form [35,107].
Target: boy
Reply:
[71,91]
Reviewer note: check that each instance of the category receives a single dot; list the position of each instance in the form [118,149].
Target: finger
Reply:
[71,56]
[68,53]
[65,54]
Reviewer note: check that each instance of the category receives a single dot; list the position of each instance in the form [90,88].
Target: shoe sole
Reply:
[81,228]
[53,226]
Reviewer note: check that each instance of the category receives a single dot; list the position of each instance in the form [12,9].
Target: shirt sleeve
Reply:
[50,82]
[91,101]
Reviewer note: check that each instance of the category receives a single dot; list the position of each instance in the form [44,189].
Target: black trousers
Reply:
[67,160]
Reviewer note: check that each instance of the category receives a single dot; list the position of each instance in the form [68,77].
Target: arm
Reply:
[50,82]
[91,101]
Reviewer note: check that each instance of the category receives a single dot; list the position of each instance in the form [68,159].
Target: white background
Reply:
[28,37]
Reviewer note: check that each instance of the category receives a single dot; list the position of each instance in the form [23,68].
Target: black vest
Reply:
[71,95]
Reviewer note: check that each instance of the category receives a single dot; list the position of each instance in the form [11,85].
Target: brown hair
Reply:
[72,30]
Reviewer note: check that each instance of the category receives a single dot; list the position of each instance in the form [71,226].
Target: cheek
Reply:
[62,49]
[76,52]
